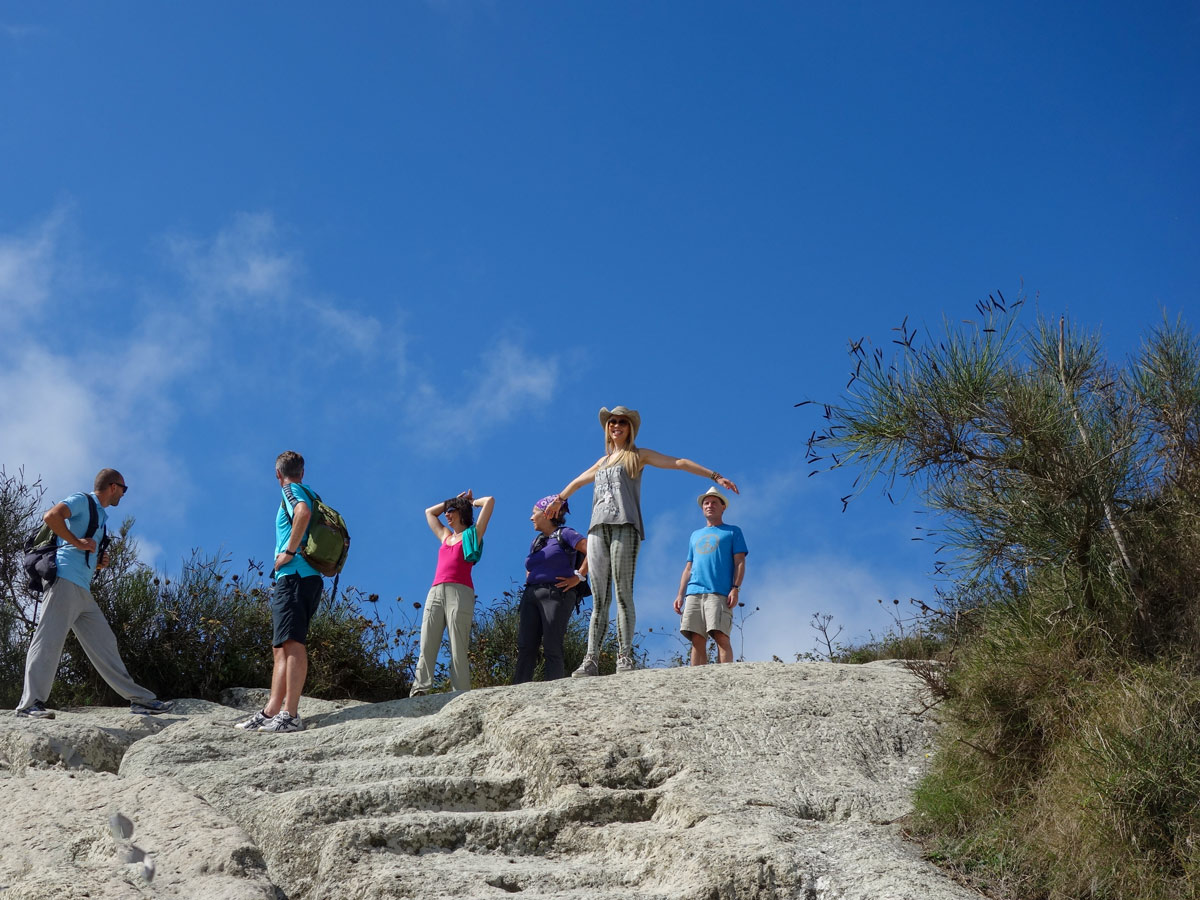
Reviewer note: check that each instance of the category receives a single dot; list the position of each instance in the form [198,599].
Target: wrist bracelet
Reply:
[715,476]
[288,552]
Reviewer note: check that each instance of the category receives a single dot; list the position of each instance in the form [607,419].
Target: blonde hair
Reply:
[627,457]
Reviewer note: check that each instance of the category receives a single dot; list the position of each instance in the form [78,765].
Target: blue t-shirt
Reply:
[552,561]
[74,564]
[711,554]
[297,565]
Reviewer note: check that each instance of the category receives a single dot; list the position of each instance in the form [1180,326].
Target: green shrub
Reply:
[1069,494]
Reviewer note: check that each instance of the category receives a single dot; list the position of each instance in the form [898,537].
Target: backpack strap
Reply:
[93,524]
[310,498]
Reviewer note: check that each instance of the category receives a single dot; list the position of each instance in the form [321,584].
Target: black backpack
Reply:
[39,559]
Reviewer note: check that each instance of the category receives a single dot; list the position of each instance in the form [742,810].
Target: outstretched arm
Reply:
[662,461]
[585,477]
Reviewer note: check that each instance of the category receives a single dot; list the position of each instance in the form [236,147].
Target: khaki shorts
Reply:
[705,613]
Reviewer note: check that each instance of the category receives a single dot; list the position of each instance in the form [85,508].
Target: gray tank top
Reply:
[617,499]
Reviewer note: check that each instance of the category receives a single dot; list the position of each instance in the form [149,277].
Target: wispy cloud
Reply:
[507,381]
[22,32]
[242,264]
[27,268]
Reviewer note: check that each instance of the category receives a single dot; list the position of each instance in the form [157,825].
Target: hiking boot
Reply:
[35,710]
[418,692]
[624,664]
[283,723]
[586,668]
[151,707]
[255,722]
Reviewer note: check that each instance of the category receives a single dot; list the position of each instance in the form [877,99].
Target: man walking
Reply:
[294,601]
[69,606]
[712,580]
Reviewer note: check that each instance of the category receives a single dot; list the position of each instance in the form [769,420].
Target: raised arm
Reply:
[662,461]
[440,531]
[485,505]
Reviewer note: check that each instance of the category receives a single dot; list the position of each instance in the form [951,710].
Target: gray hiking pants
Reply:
[612,558]
[448,607]
[68,607]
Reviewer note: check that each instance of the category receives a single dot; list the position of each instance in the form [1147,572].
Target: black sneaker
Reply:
[35,710]
[151,707]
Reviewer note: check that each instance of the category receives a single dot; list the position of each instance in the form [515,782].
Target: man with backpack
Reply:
[68,604]
[294,600]
[711,584]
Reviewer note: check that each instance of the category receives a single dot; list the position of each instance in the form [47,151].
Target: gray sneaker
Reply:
[151,707]
[35,710]
[586,668]
[624,664]
[255,722]
[283,723]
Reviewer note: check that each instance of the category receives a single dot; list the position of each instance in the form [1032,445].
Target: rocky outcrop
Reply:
[742,781]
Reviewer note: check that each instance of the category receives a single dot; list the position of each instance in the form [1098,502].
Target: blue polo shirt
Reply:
[73,564]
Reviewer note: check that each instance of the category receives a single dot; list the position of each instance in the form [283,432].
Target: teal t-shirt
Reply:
[73,564]
[711,554]
[292,494]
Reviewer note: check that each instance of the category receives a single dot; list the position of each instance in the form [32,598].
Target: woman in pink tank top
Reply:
[451,601]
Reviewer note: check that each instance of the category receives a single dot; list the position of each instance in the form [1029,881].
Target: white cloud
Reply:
[346,328]
[242,264]
[17,32]
[506,382]
[46,425]
[27,269]
[788,592]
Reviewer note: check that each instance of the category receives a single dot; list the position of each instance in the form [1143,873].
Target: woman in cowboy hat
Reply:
[616,529]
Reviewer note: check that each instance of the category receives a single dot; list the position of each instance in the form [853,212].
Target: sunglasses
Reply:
[622,422]
[124,488]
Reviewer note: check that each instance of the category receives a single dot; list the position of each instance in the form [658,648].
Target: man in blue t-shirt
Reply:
[294,601]
[712,580]
[68,604]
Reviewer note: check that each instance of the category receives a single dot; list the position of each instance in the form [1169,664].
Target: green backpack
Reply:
[327,541]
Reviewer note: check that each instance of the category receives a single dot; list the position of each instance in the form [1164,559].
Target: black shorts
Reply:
[293,603]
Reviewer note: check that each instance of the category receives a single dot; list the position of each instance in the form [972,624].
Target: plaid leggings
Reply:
[612,558]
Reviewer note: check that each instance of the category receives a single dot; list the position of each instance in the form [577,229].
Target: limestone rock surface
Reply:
[758,780]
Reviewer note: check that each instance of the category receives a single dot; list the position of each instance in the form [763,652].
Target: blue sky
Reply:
[423,243]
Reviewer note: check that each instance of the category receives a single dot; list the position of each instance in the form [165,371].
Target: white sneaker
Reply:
[282,723]
[624,664]
[586,668]
[255,722]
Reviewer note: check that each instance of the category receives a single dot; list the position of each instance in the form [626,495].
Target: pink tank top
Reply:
[451,567]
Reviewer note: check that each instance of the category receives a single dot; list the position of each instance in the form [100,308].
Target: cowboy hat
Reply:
[635,419]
